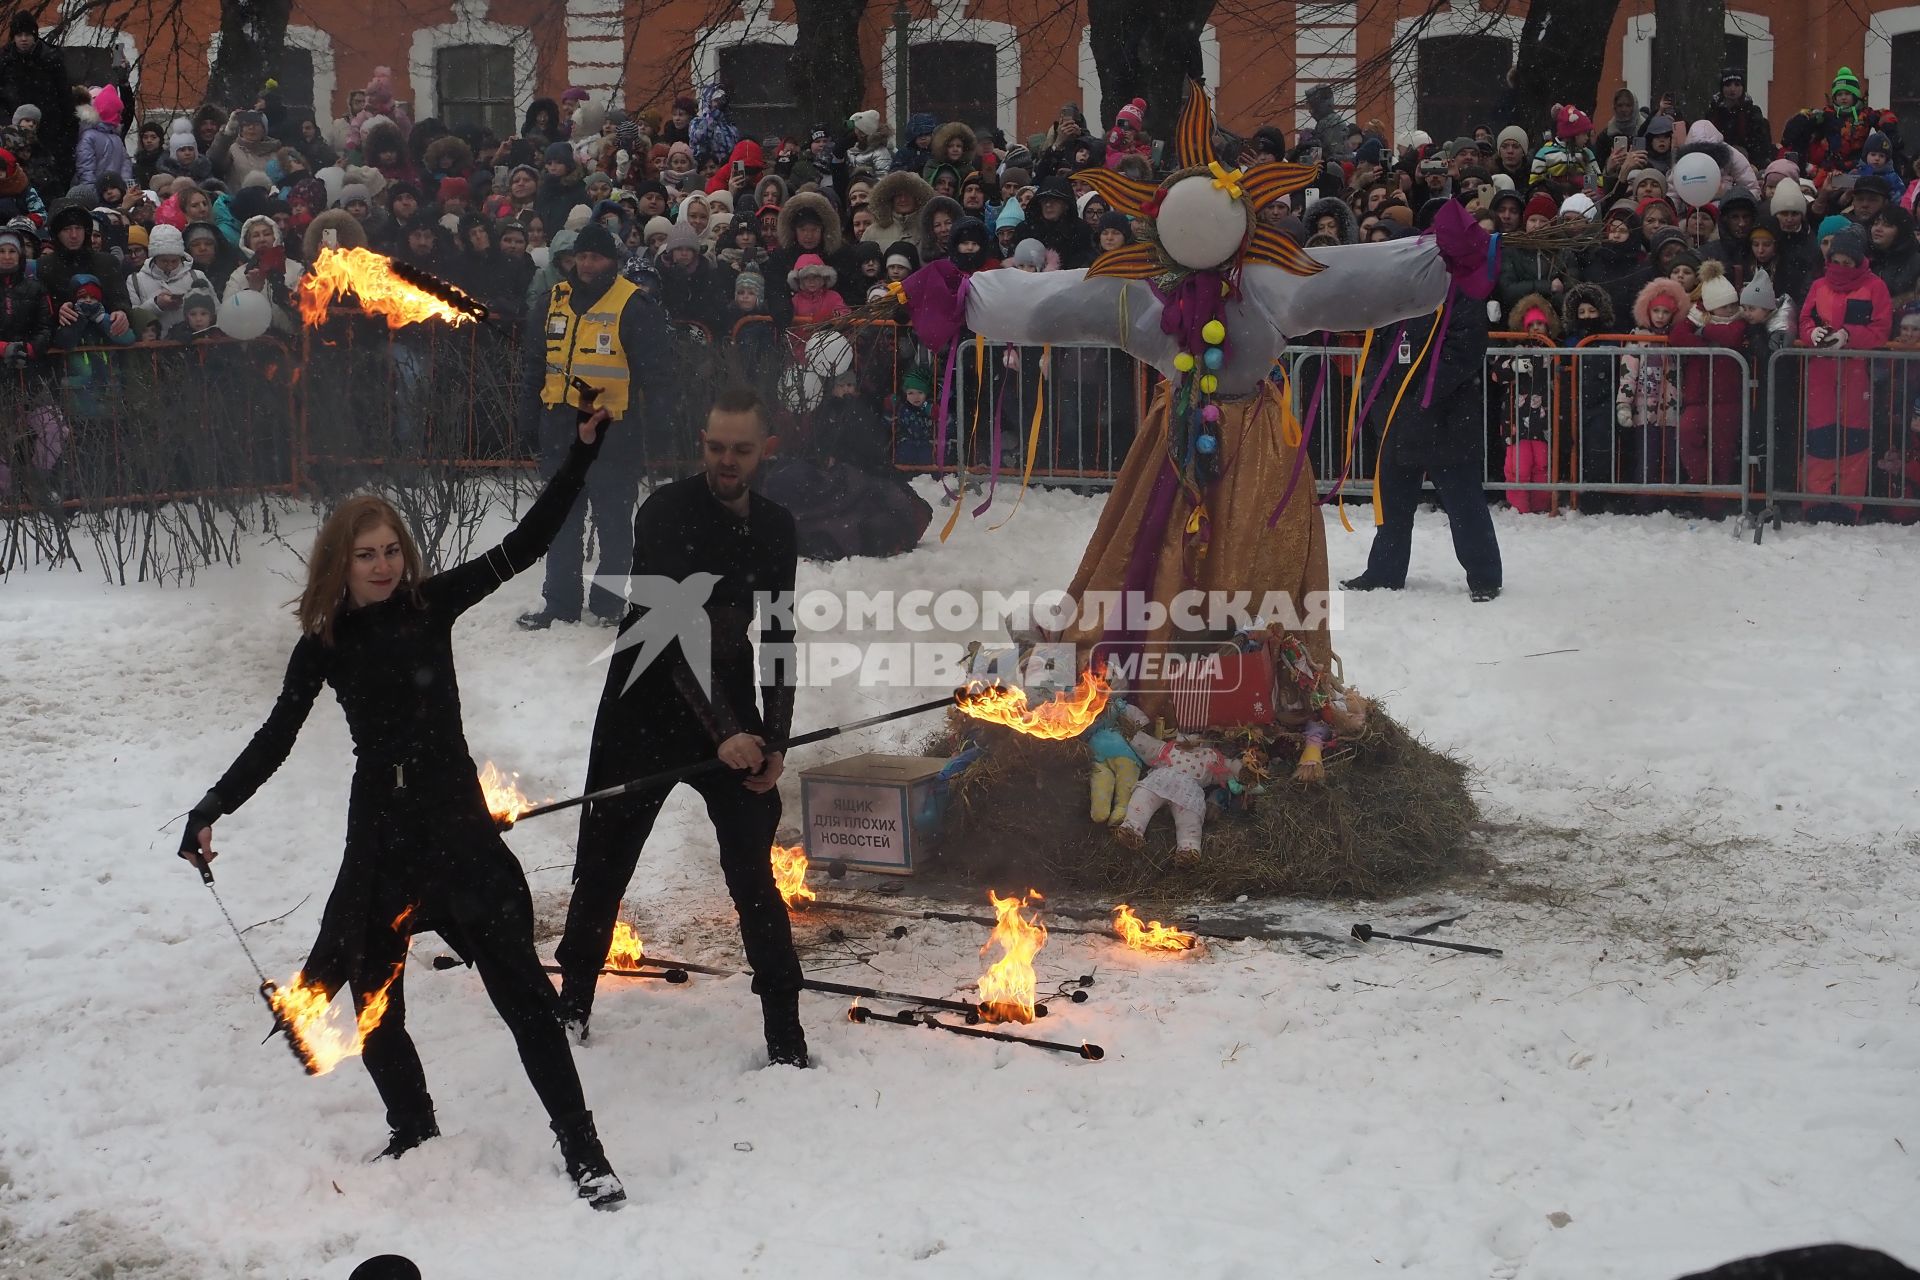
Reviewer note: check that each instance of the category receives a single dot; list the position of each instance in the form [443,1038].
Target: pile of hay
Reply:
[1394,815]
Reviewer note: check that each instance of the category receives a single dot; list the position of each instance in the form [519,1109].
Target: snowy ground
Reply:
[1700,1043]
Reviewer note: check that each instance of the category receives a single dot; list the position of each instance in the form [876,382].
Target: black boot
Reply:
[1482,594]
[593,1178]
[1367,583]
[542,618]
[786,1041]
[408,1132]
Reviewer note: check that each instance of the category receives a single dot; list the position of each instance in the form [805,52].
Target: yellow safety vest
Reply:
[587,347]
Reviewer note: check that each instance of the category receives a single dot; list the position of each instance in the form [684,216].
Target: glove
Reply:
[1836,338]
[1697,318]
[201,818]
[1819,335]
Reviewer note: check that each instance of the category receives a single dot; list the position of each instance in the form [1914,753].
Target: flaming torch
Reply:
[1152,936]
[320,1041]
[1007,989]
[790,875]
[627,949]
[505,801]
[1063,716]
[384,288]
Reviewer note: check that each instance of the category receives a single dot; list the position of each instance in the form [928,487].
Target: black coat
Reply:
[39,76]
[1450,431]
[26,313]
[59,268]
[702,296]
[417,814]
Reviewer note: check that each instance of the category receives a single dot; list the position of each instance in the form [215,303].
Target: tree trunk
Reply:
[829,80]
[252,37]
[1563,46]
[1688,49]
[1147,49]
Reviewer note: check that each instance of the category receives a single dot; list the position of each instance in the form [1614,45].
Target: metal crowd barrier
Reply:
[1844,428]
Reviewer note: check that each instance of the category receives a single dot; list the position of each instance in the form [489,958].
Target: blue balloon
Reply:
[1206,444]
[1215,357]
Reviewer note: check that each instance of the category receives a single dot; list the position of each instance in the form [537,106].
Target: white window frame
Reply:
[1636,56]
[1877,62]
[950,23]
[1090,76]
[82,34]
[319,46]
[469,26]
[1452,21]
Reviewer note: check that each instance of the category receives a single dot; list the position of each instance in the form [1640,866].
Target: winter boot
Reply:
[542,618]
[786,1040]
[408,1132]
[593,1178]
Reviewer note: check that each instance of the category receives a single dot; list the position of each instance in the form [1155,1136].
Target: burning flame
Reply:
[505,800]
[1007,989]
[1152,936]
[790,874]
[1061,717]
[369,277]
[627,950]
[321,1041]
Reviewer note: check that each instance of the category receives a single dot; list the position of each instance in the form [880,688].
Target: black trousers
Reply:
[480,903]
[612,833]
[1474,544]
[613,489]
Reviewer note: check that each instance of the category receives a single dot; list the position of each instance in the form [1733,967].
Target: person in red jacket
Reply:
[742,169]
[1847,309]
[1713,388]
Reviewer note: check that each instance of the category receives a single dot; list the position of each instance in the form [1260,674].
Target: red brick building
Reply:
[981,60]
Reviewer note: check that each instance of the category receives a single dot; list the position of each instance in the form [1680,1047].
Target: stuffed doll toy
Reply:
[1178,773]
[1116,768]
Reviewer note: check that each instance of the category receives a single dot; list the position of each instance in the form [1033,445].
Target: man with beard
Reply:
[601,330]
[707,548]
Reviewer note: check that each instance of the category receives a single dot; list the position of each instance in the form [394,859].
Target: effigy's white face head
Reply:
[1199,225]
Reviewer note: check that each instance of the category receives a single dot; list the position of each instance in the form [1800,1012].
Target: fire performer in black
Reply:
[422,851]
[659,712]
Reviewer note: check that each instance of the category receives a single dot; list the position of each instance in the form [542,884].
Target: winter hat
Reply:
[1758,293]
[1086,198]
[578,217]
[594,238]
[1833,225]
[350,192]
[681,235]
[753,281]
[557,153]
[1648,174]
[809,264]
[106,101]
[454,189]
[1016,157]
[866,123]
[1570,122]
[1116,221]
[720,201]
[1030,253]
[138,235]
[679,149]
[244,117]
[898,259]
[1513,133]
[1542,204]
[1579,204]
[81,284]
[1788,198]
[657,225]
[1399,215]
[1132,115]
[1718,293]
[919,378]
[164,240]
[1659,126]
[574,94]
[1872,184]
[1844,81]
[26,110]
[201,300]
[1851,243]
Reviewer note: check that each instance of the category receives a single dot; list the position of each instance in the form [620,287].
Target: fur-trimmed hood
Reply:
[947,133]
[1658,287]
[1342,215]
[1570,308]
[385,136]
[821,208]
[923,226]
[1517,314]
[351,234]
[880,203]
[449,155]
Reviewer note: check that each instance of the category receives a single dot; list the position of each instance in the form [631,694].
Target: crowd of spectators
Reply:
[116,228]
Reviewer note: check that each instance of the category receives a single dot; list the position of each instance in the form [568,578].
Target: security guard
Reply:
[602,330]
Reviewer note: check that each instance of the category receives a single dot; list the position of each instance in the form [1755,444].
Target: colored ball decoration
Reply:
[1209,383]
[1214,358]
[1183,362]
[1213,331]
[1205,444]
[1211,413]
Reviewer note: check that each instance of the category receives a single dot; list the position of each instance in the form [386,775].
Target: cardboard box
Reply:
[873,812]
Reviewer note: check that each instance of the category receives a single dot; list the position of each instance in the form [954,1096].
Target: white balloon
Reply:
[1696,179]
[1199,225]
[246,315]
[828,353]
